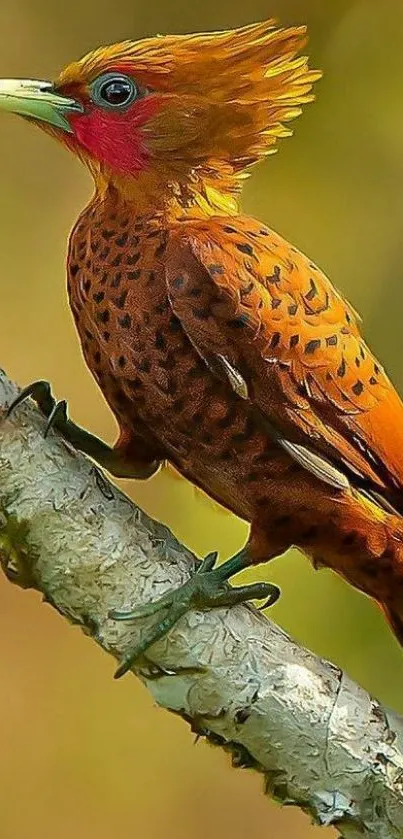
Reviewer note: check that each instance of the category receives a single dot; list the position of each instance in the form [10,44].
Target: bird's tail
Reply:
[364,544]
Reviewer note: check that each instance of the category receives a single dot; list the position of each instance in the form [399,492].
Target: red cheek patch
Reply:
[115,138]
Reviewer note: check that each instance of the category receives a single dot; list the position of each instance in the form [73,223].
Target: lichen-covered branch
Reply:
[319,740]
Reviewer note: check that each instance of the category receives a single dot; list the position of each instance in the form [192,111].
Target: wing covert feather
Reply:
[242,293]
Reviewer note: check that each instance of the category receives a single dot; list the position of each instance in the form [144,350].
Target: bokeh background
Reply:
[82,756]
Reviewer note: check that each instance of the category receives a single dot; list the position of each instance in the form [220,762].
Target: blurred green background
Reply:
[83,756]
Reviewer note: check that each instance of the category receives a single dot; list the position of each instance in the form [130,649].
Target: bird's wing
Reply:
[268,320]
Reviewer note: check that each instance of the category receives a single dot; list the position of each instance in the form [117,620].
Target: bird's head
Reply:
[182,115]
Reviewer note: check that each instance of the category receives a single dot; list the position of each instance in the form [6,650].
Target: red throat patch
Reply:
[114,138]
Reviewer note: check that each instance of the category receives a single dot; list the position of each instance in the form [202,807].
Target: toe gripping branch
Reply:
[207,588]
[41,393]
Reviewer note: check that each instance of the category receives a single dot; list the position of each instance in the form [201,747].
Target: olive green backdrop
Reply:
[82,756]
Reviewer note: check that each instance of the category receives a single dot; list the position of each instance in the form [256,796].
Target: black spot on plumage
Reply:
[292,309]
[133,258]
[275,276]
[99,296]
[122,361]
[313,291]
[89,334]
[357,361]
[362,353]
[228,229]
[103,317]
[74,269]
[239,322]
[88,264]
[201,312]
[104,253]
[247,289]
[121,300]
[116,261]
[94,246]
[122,240]
[341,370]
[163,307]
[174,324]
[117,280]
[245,247]
[331,341]
[160,342]
[358,388]
[349,538]
[151,234]
[106,336]
[281,521]
[87,285]
[275,302]
[97,357]
[125,321]
[251,477]
[108,234]
[151,278]
[135,384]
[144,366]
[275,340]
[179,404]
[133,275]
[373,380]
[312,346]
[264,232]
[104,278]
[179,281]
[196,292]
[294,340]
[376,369]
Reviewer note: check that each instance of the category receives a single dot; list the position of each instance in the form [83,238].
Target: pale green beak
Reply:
[37,100]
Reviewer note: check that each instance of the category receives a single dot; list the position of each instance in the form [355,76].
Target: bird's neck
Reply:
[151,194]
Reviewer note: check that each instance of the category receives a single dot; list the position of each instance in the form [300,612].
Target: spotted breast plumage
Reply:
[219,347]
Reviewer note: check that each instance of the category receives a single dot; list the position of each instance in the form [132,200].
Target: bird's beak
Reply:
[37,100]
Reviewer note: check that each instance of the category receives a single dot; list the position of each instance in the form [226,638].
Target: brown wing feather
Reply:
[243,293]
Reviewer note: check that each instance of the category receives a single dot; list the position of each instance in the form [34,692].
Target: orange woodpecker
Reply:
[219,347]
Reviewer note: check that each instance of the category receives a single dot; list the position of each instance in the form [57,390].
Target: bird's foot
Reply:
[207,588]
[54,411]
[56,414]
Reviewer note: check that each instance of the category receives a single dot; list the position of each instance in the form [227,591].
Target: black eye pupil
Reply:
[116,92]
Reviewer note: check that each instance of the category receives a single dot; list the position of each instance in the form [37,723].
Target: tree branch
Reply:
[319,740]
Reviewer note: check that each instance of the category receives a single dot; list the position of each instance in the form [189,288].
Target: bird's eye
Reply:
[113,90]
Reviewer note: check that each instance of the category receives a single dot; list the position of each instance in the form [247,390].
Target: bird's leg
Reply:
[207,588]
[116,460]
